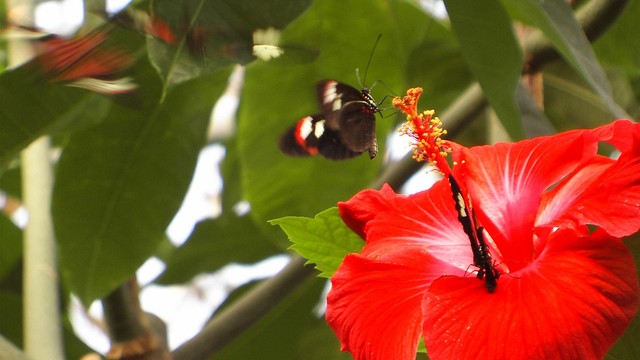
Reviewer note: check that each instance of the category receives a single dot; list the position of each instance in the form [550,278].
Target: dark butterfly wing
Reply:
[345,129]
[310,136]
[357,126]
[332,147]
[300,139]
[351,113]
[333,95]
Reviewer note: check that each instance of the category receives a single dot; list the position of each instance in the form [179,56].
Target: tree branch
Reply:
[130,330]
[595,17]
[42,324]
[233,320]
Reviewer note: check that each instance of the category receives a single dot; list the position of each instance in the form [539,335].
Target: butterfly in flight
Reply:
[344,129]
[481,254]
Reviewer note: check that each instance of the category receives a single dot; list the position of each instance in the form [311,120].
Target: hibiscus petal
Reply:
[614,201]
[556,203]
[506,182]
[375,307]
[605,192]
[427,220]
[623,134]
[365,205]
[573,302]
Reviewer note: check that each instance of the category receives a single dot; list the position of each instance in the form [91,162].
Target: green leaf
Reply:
[29,107]
[493,55]
[556,20]
[324,240]
[438,66]
[215,243]
[118,185]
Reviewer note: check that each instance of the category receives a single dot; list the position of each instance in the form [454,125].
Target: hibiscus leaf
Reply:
[556,20]
[493,55]
[324,240]
[119,184]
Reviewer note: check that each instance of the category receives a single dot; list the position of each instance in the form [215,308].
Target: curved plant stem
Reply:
[130,329]
[42,324]
[232,321]
[595,17]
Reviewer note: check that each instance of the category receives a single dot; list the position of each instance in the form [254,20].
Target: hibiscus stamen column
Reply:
[426,130]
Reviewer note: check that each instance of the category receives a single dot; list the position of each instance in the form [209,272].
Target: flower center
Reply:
[426,131]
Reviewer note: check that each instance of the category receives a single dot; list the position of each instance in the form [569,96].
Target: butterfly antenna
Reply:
[366,70]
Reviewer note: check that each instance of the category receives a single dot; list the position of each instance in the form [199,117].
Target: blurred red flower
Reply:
[86,62]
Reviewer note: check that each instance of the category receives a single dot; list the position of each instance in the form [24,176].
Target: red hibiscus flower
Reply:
[546,215]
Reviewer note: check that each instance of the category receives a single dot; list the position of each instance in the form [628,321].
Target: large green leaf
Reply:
[324,240]
[29,107]
[118,185]
[438,66]
[275,97]
[493,55]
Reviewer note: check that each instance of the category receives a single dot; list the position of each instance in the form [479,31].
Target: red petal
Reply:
[556,203]
[506,182]
[365,205]
[375,307]
[573,302]
[623,134]
[605,192]
[426,220]
[613,202]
